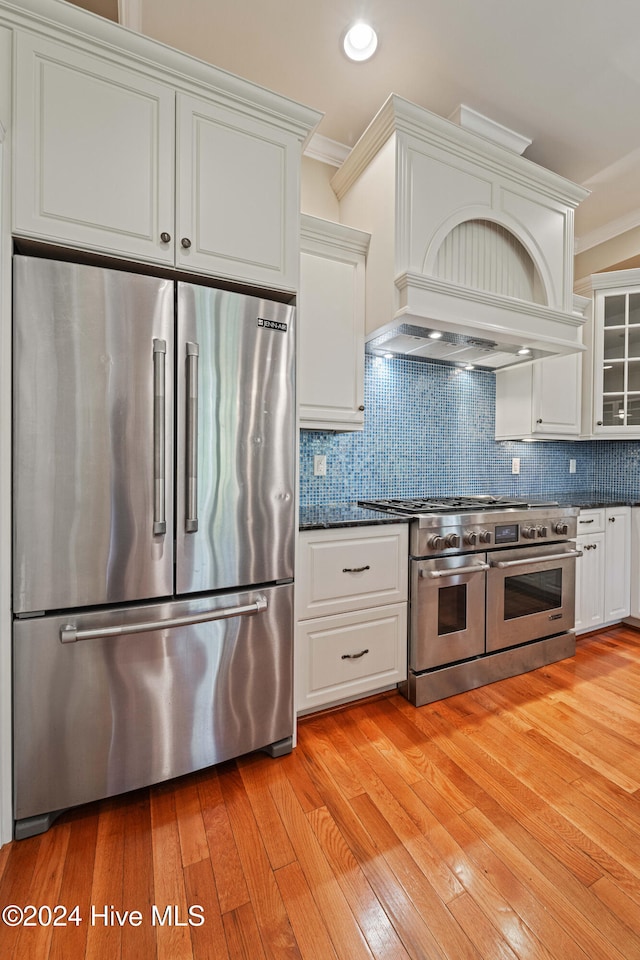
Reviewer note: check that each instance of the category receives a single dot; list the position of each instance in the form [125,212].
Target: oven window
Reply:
[530,593]
[452,609]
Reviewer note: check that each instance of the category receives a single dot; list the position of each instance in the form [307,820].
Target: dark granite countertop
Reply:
[593,500]
[349,514]
[328,515]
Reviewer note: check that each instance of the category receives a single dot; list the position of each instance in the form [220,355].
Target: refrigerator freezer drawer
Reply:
[103,714]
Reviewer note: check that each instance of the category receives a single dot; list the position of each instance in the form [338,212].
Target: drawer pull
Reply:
[353,656]
[355,570]
[585,521]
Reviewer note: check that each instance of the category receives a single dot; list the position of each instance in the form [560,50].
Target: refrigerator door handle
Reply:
[69,633]
[159,439]
[191,452]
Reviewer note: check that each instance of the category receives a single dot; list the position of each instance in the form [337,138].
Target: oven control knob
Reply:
[562,528]
[485,536]
[452,540]
[541,530]
[436,543]
[529,533]
[471,538]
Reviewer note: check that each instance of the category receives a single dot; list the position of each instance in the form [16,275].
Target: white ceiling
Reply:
[565,73]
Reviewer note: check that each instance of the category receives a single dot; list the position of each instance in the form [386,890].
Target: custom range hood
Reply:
[469,240]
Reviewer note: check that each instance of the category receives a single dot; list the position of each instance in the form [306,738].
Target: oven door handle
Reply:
[528,561]
[453,571]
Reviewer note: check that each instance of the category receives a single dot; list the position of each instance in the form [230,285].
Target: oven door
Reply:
[530,593]
[447,610]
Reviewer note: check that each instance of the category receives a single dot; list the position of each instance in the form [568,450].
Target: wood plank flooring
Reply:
[500,824]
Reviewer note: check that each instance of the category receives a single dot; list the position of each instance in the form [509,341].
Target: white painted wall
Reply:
[317,196]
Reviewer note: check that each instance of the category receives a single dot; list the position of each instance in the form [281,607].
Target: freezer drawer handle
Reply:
[528,561]
[159,397]
[69,633]
[191,518]
[453,571]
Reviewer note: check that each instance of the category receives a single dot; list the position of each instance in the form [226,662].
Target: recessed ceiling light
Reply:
[360,41]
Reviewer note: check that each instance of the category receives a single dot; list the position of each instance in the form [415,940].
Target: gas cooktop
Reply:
[470,503]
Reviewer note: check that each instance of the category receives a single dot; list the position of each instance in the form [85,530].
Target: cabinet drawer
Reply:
[341,570]
[343,657]
[591,521]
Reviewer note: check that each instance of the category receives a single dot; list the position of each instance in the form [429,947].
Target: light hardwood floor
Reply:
[502,824]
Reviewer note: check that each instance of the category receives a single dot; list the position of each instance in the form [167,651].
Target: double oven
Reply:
[492,590]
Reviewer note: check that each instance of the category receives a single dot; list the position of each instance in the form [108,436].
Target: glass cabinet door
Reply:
[619,315]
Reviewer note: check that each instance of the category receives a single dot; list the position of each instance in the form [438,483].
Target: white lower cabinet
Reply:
[352,613]
[603,572]
[634,603]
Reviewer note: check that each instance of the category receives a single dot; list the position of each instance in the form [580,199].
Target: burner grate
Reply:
[444,504]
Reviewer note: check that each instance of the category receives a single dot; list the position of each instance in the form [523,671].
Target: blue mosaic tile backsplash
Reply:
[429,430]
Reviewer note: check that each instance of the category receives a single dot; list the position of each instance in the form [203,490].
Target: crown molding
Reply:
[326,150]
[608,231]
[315,231]
[64,21]
[470,119]
[401,116]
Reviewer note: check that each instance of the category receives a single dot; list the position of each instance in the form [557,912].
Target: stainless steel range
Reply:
[492,589]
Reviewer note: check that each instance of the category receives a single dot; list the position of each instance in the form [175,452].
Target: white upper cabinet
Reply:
[94,148]
[616,354]
[542,400]
[331,325]
[539,399]
[611,366]
[238,195]
[144,153]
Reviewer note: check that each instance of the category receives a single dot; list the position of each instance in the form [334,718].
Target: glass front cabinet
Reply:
[616,374]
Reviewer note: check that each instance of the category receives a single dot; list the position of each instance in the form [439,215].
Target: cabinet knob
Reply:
[165,237]
[612,519]
[539,420]
[186,243]
[361,407]
[599,423]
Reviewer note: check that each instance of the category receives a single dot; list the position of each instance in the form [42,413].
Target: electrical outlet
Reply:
[572,466]
[319,465]
[515,465]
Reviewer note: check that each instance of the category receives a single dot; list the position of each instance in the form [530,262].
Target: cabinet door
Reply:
[590,582]
[557,395]
[331,381]
[237,209]
[618,559]
[347,656]
[616,377]
[539,399]
[94,152]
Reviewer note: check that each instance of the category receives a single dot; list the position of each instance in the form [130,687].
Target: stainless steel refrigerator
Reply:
[153,531]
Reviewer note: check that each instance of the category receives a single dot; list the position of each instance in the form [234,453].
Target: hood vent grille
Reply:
[415,343]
